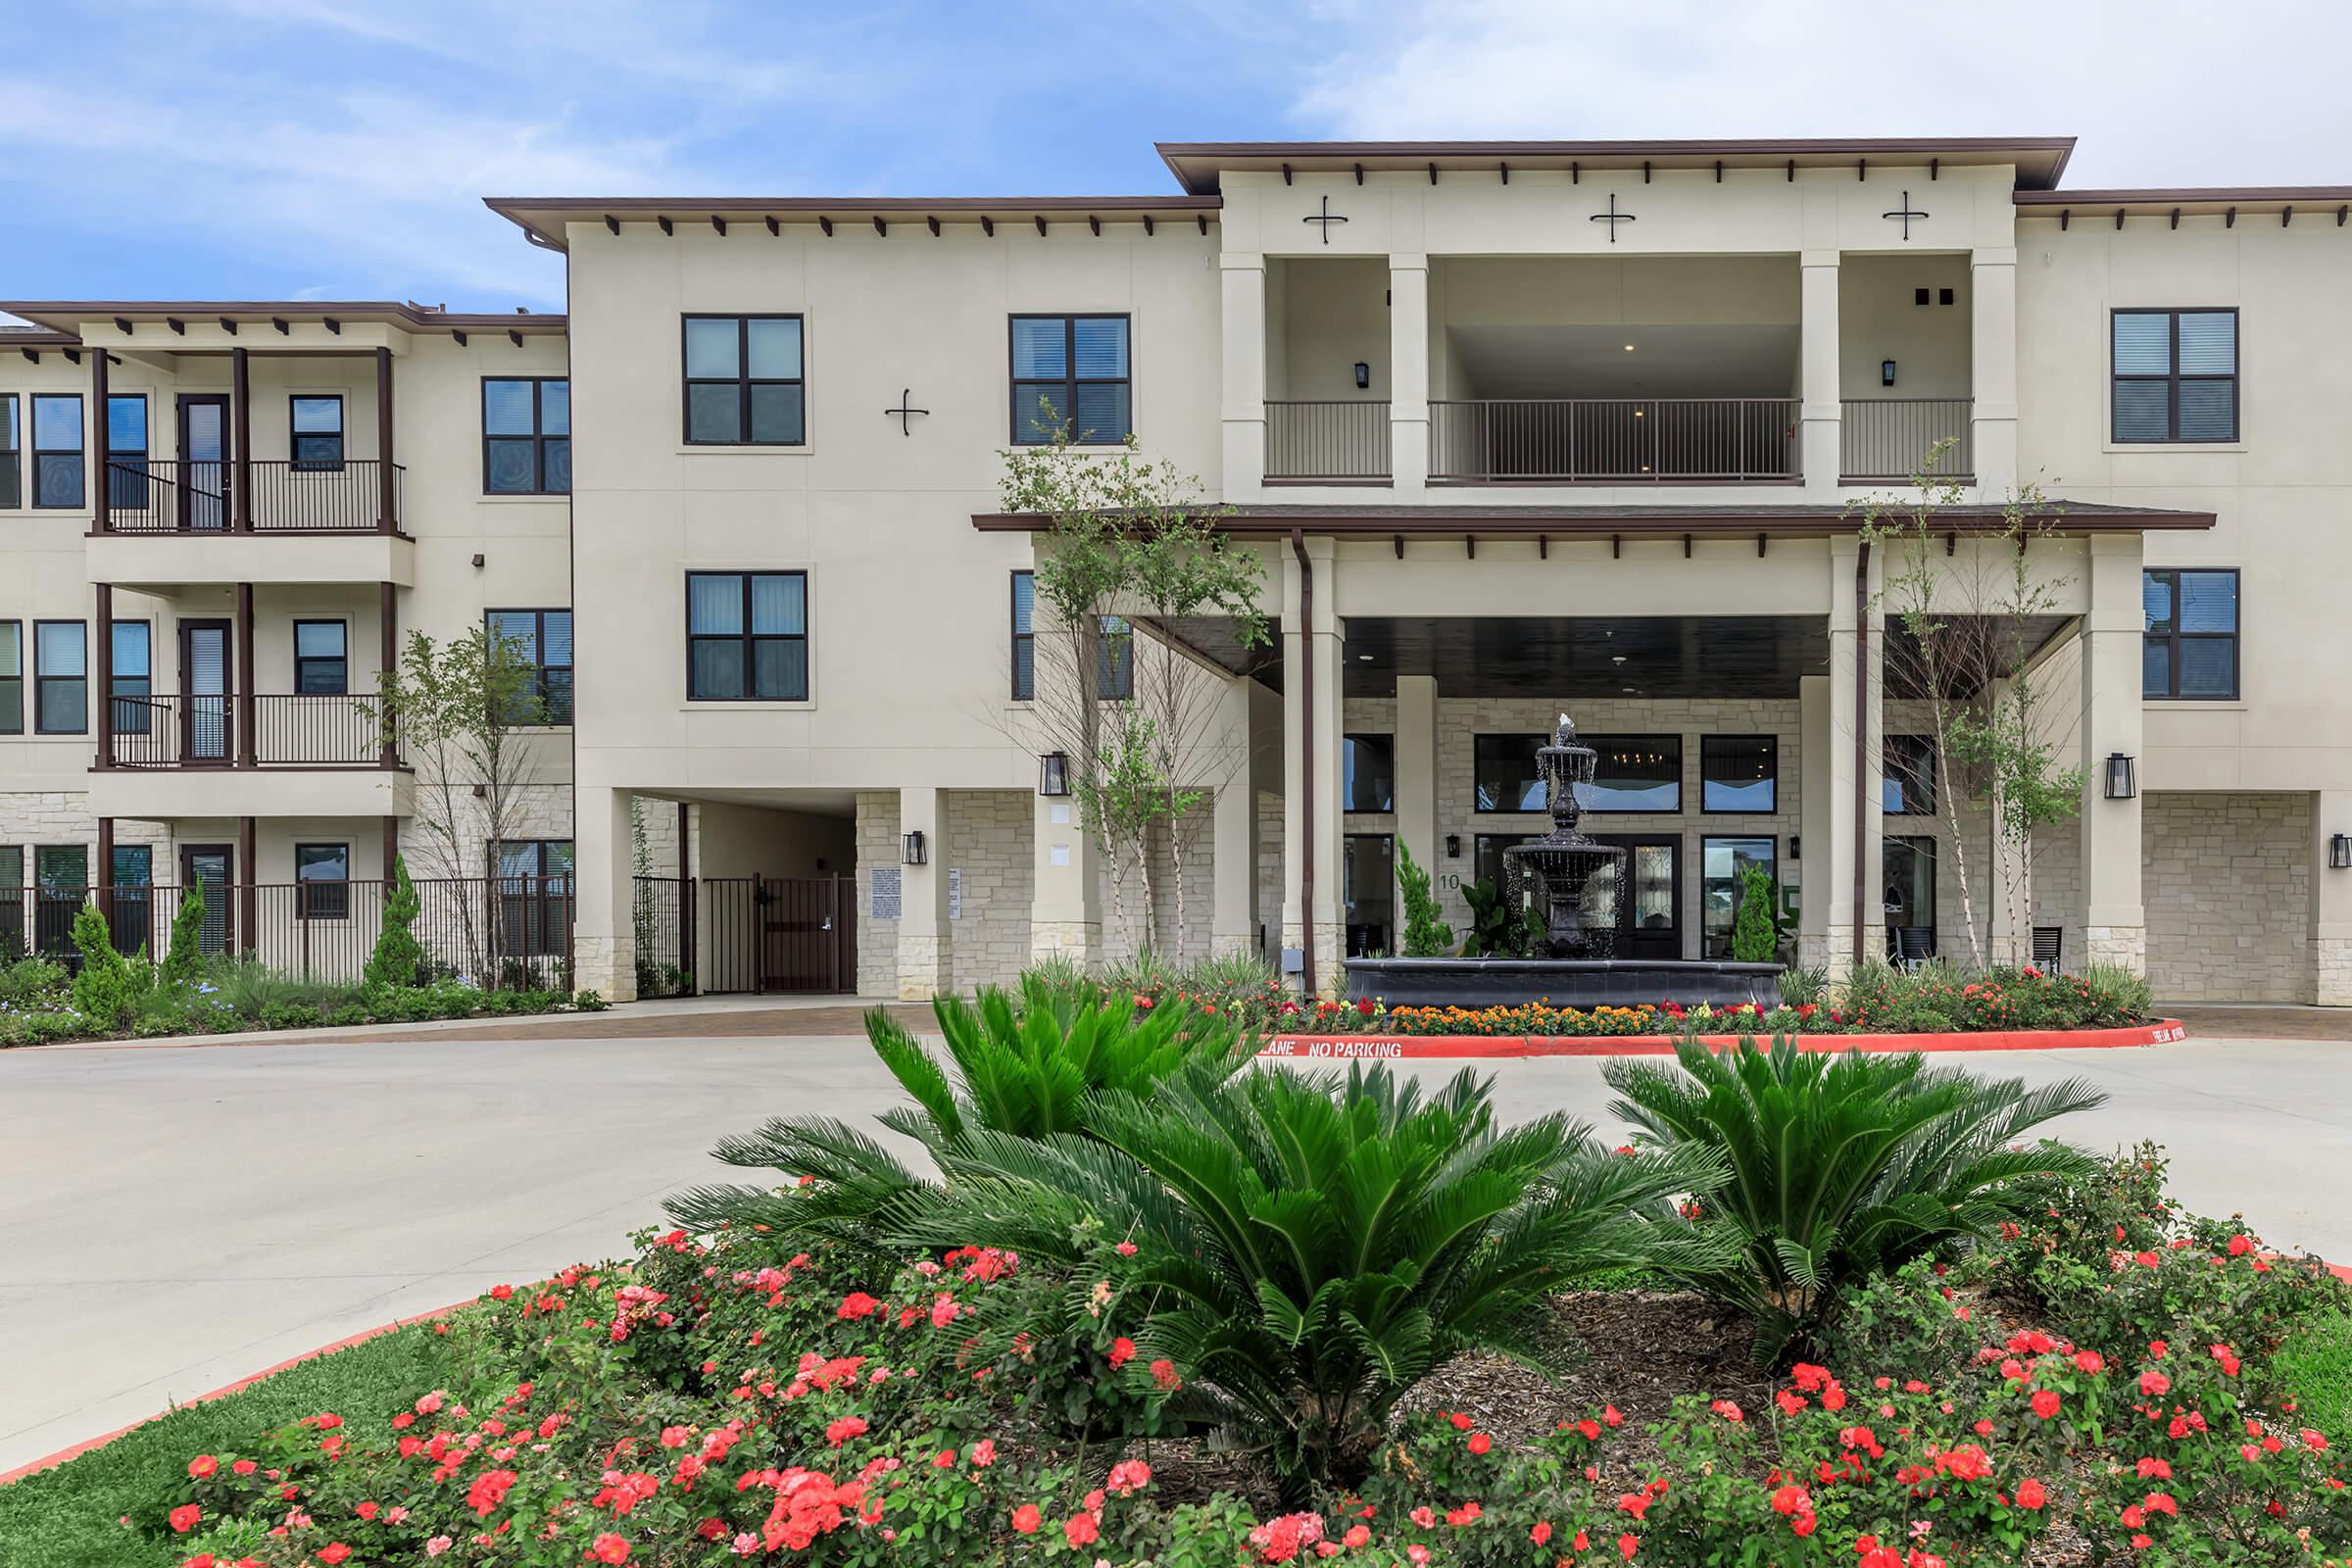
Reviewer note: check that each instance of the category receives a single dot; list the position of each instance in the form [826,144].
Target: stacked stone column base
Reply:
[923,971]
[1330,954]
[606,965]
[2331,971]
[2123,945]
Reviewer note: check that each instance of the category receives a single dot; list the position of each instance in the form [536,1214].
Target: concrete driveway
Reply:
[176,1219]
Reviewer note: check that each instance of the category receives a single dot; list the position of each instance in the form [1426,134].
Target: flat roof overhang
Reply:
[2196,201]
[1199,165]
[543,218]
[114,320]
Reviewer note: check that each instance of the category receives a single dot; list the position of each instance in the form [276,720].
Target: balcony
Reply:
[1894,438]
[1327,441]
[307,729]
[161,495]
[1614,440]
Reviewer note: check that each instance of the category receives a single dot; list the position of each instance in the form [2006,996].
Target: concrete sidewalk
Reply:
[176,1219]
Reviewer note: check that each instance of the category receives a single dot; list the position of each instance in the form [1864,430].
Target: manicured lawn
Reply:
[69,1517]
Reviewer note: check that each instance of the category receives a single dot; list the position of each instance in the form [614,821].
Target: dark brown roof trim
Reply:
[1740,522]
[535,215]
[2041,160]
[264,312]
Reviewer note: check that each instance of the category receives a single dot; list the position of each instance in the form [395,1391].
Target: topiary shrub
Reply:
[1754,937]
[104,990]
[396,957]
[186,955]
[1425,935]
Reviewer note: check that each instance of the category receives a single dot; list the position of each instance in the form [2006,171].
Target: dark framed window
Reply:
[316,422]
[1024,636]
[535,896]
[1071,370]
[1368,884]
[57,450]
[1907,776]
[1908,900]
[1723,865]
[2175,375]
[322,881]
[61,875]
[132,875]
[127,450]
[747,636]
[131,673]
[12,677]
[322,658]
[744,385]
[2190,651]
[542,640]
[526,435]
[1486,853]
[1738,773]
[1368,773]
[1114,661]
[1505,767]
[1634,775]
[61,677]
[11,454]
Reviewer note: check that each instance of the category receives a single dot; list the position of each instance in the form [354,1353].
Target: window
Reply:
[1114,661]
[542,640]
[1369,886]
[12,677]
[1910,895]
[1488,855]
[322,881]
[747,636]
[743,381]
[57,474]
[127,451]
[1738,773]
[322,661]
[2175,375]
[61,875]
[60,677]
[1368,773]
[133,906]
[1634,773]
[131,672]
[526,435]
[1024,636]
[534,897]
[11,454]
[1722,864]
[2191,645]
[317,425]
[1505,769]
[1907,776]
[11,900]
[1070,370]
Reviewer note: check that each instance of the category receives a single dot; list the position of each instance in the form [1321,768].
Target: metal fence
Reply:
[306,729]
[1327,439]
[721,935]
[1631,440]
[1889,438]
[164,495]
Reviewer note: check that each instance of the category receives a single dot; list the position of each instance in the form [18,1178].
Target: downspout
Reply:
[1306,762]
[1861,749]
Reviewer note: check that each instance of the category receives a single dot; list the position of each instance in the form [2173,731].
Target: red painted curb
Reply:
[77,1451]
[1407,1048]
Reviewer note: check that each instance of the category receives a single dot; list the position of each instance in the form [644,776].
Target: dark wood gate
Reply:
[809,933]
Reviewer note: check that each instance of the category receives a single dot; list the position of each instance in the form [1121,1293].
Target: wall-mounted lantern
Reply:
[1454,846]
[1363,374]
[2120,785]
[1053,775]
[1885,372]
[912,851]
[2339,853]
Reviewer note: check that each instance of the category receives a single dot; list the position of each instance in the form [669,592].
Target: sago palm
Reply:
[1840,1166]
[1024,1070]
[1311,1246]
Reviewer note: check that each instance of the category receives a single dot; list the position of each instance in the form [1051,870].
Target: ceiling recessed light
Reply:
[1628,690]
[1366,657]
[1616,659]
[1628,348]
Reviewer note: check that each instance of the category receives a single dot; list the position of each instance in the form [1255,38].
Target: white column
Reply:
[2331,902]
[1233,926]
[1818,303]
[604,941]
[1311,734]
[1857,708]
[1816,866]
[1244,374]
[1408,374]
[1992,359]
[926,941]
[2114,920]
[1416,756]
[1065,907]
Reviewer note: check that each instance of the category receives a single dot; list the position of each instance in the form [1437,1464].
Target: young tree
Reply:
[1425,935]
[186,951]
[458,711]
[397,955]
[1754,937]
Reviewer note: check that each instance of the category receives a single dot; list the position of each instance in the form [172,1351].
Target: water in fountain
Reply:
[1570,883]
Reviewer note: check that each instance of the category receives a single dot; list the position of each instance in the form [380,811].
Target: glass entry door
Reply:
[1649,914]
[204,462]
[204,691]
[211,867]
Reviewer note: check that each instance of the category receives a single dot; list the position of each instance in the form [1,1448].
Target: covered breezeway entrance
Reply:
[743,896]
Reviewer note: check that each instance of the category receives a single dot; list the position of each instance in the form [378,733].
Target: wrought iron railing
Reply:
[1891,438]
[1614,440]
[1327,439]
[163,494]
[304,729]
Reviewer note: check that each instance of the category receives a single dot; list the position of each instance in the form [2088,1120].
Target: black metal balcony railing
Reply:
[164,495]
[1891,438]
[1614,440]
[1327,439]
[307,729]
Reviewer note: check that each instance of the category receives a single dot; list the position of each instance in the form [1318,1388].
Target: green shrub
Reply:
[1804,985]
[104,990]
[1490,922]
[590,1000]
[1425,935]
[185,958]
[1314,1246]
[396,955]
[32,983]
[1904,1320]
[1841,1167]
[1753,935]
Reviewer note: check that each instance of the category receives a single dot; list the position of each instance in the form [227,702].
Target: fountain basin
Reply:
[1560,982]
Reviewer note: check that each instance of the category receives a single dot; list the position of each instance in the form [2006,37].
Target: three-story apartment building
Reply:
[1513,427]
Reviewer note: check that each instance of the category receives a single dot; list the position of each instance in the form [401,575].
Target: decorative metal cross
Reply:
[1906,213]
[903,412]
[1325,217]
[1612,218]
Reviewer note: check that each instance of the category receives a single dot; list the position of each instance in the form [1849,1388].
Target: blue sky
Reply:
[271,149]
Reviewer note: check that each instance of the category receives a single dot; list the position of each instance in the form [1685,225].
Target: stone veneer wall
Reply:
[989,833]
[1270,842]
[877,846]
[2227,889]
[1122,923]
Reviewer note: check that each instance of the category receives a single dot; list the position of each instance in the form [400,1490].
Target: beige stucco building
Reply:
[1513,430]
